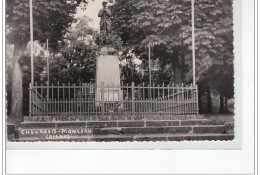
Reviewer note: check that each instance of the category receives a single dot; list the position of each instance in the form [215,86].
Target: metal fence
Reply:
[104,100]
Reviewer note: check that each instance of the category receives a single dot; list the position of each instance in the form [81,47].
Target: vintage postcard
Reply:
[120,71]
[129,86]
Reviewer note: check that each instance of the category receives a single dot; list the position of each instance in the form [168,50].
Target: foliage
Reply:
[50,20]
[77,59]
[166,25]
[140,22]
[129,74]
[110,39]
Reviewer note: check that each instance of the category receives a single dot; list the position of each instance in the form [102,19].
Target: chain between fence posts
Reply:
[133,98]
[30,99]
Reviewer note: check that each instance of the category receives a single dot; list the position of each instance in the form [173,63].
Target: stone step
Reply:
[10,128]
[139,137]
[229,127]
[120,123]
[160,130]
[83,131]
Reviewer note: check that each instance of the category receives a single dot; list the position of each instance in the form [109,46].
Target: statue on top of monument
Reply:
[105,14]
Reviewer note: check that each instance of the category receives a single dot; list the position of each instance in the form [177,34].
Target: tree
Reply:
[51,18]
[25,65]
[156,22]
[167,26]
[77,59]
[215,48]
[130,74]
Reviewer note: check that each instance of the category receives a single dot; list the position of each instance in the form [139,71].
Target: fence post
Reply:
[102,100]
[197,99]
[30,99]
[133,98]
[182,100]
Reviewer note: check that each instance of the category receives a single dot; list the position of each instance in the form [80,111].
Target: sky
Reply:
[92,12]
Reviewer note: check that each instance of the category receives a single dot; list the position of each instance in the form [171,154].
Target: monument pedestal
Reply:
[108,76]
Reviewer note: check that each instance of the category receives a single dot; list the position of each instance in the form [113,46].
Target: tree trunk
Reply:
[17,82]
[221,102]
[209,107]
[200,103]
[17,93]
[172,78]
[177,76]
[226,101]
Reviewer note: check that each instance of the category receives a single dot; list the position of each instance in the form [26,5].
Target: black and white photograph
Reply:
[129,86]
[119,70]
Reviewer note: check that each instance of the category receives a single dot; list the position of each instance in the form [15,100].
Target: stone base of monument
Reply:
[147,129]
[108,76]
